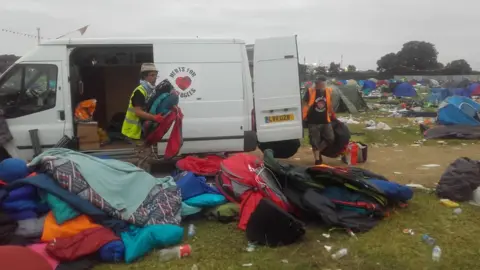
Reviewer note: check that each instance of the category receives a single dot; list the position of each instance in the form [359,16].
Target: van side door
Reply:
[278,112]
[31,98]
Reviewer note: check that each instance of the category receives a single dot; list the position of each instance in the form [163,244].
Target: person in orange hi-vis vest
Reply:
[317,113]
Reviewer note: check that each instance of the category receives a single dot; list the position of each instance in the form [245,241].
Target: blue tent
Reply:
[404,90]
[438,95]
[459,92]
[457,110]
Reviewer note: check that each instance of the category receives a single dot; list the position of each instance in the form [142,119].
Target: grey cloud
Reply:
[361,30]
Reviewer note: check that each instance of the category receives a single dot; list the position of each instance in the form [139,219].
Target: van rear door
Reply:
[277,89]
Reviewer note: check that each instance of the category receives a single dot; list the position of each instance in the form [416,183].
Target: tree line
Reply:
[414,58]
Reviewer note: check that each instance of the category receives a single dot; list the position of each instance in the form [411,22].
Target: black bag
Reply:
[270,225]
[342,137]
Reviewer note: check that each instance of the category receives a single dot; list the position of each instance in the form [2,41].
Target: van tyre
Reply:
[281,149]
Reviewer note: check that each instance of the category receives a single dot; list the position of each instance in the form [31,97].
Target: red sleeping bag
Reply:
[175,141]
[208,166]
[244,179]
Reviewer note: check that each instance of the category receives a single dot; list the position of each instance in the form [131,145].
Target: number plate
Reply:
[279,118]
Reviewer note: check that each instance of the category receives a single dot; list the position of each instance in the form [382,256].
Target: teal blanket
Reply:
[121,184]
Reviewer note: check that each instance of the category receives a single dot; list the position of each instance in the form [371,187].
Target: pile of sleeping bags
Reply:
[73,211]
[266,190]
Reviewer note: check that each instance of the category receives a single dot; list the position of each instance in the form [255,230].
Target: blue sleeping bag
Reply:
[393,191]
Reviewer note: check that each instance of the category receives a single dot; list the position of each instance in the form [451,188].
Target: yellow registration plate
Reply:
[279,118]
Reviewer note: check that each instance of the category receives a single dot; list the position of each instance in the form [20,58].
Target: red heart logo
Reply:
[183,82]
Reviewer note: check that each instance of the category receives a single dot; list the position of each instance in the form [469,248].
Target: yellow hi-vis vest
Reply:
[132,127]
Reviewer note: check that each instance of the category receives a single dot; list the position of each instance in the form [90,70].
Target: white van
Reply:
[222,111]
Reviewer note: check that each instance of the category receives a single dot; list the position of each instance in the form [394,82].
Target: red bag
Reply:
[82,244]
[355,153]
[244,179]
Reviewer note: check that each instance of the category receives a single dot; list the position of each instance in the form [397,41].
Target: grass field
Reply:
[220,246]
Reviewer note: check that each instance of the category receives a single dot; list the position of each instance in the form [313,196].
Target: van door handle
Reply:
[61,115]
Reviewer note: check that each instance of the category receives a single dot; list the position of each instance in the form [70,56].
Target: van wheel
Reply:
[281,149]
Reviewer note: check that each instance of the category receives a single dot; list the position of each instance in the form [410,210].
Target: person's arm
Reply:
[305,99]
[138,102]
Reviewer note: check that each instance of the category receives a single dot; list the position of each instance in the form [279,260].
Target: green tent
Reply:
[347,98]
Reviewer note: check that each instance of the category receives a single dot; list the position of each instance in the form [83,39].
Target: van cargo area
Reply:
[107,75]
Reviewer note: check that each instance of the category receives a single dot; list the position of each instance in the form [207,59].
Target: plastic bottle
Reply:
[191,230]
[427,239]
[339,254]
[177,252]
[436,254]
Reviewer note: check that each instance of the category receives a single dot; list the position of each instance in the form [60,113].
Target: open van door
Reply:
[278,112]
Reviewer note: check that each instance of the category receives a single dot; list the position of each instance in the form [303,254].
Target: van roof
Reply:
[137,41]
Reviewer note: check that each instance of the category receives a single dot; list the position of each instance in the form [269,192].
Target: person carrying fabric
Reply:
[137,111]
[317,114]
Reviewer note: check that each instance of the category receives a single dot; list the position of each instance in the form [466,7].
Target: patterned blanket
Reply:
[161,206]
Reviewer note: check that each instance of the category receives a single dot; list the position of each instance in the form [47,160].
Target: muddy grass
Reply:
[220,246]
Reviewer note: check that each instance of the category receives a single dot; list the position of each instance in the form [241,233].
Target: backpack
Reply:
[244,179]
[338,196]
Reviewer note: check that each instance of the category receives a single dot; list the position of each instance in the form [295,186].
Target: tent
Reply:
[459,92]
[368,86]
[459,110]
[404,90]
[346,98]
[437,95]
[474,89]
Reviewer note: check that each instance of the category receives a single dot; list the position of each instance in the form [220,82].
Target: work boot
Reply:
[319,161]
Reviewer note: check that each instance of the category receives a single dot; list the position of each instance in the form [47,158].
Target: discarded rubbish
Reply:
[194,267]
[284,261]
[408,231]
[326,235]
[352,234]
[442,142]
[397,173]
[191,230]
[339,254]
[328,248]
[379,126]
[427,239]
[247,264]
[430,165]
[296,158]
[418,186]
[177,252]
[457,211]
[449,203]
[436,254]
[251,247]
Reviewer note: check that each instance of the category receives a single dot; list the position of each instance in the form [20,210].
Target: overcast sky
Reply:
[361,30]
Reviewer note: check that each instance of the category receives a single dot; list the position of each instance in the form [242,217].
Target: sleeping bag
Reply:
[342,138]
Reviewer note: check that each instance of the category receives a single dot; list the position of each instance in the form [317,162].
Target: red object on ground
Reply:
[22,258]
[82,244]
[241,181]
[208,166]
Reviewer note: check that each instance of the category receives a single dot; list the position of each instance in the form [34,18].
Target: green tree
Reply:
[458,67]
[320,70]
[418,55]
[351,68]
[387,63]
[334,69]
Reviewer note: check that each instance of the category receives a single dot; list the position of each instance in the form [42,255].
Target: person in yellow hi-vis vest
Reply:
[318,112]
[137,111]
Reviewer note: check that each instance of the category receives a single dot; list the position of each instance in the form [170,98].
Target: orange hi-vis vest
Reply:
[312,93]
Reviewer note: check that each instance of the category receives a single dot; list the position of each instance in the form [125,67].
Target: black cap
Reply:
[321,79]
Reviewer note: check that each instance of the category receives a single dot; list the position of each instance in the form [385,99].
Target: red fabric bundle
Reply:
[208,166]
